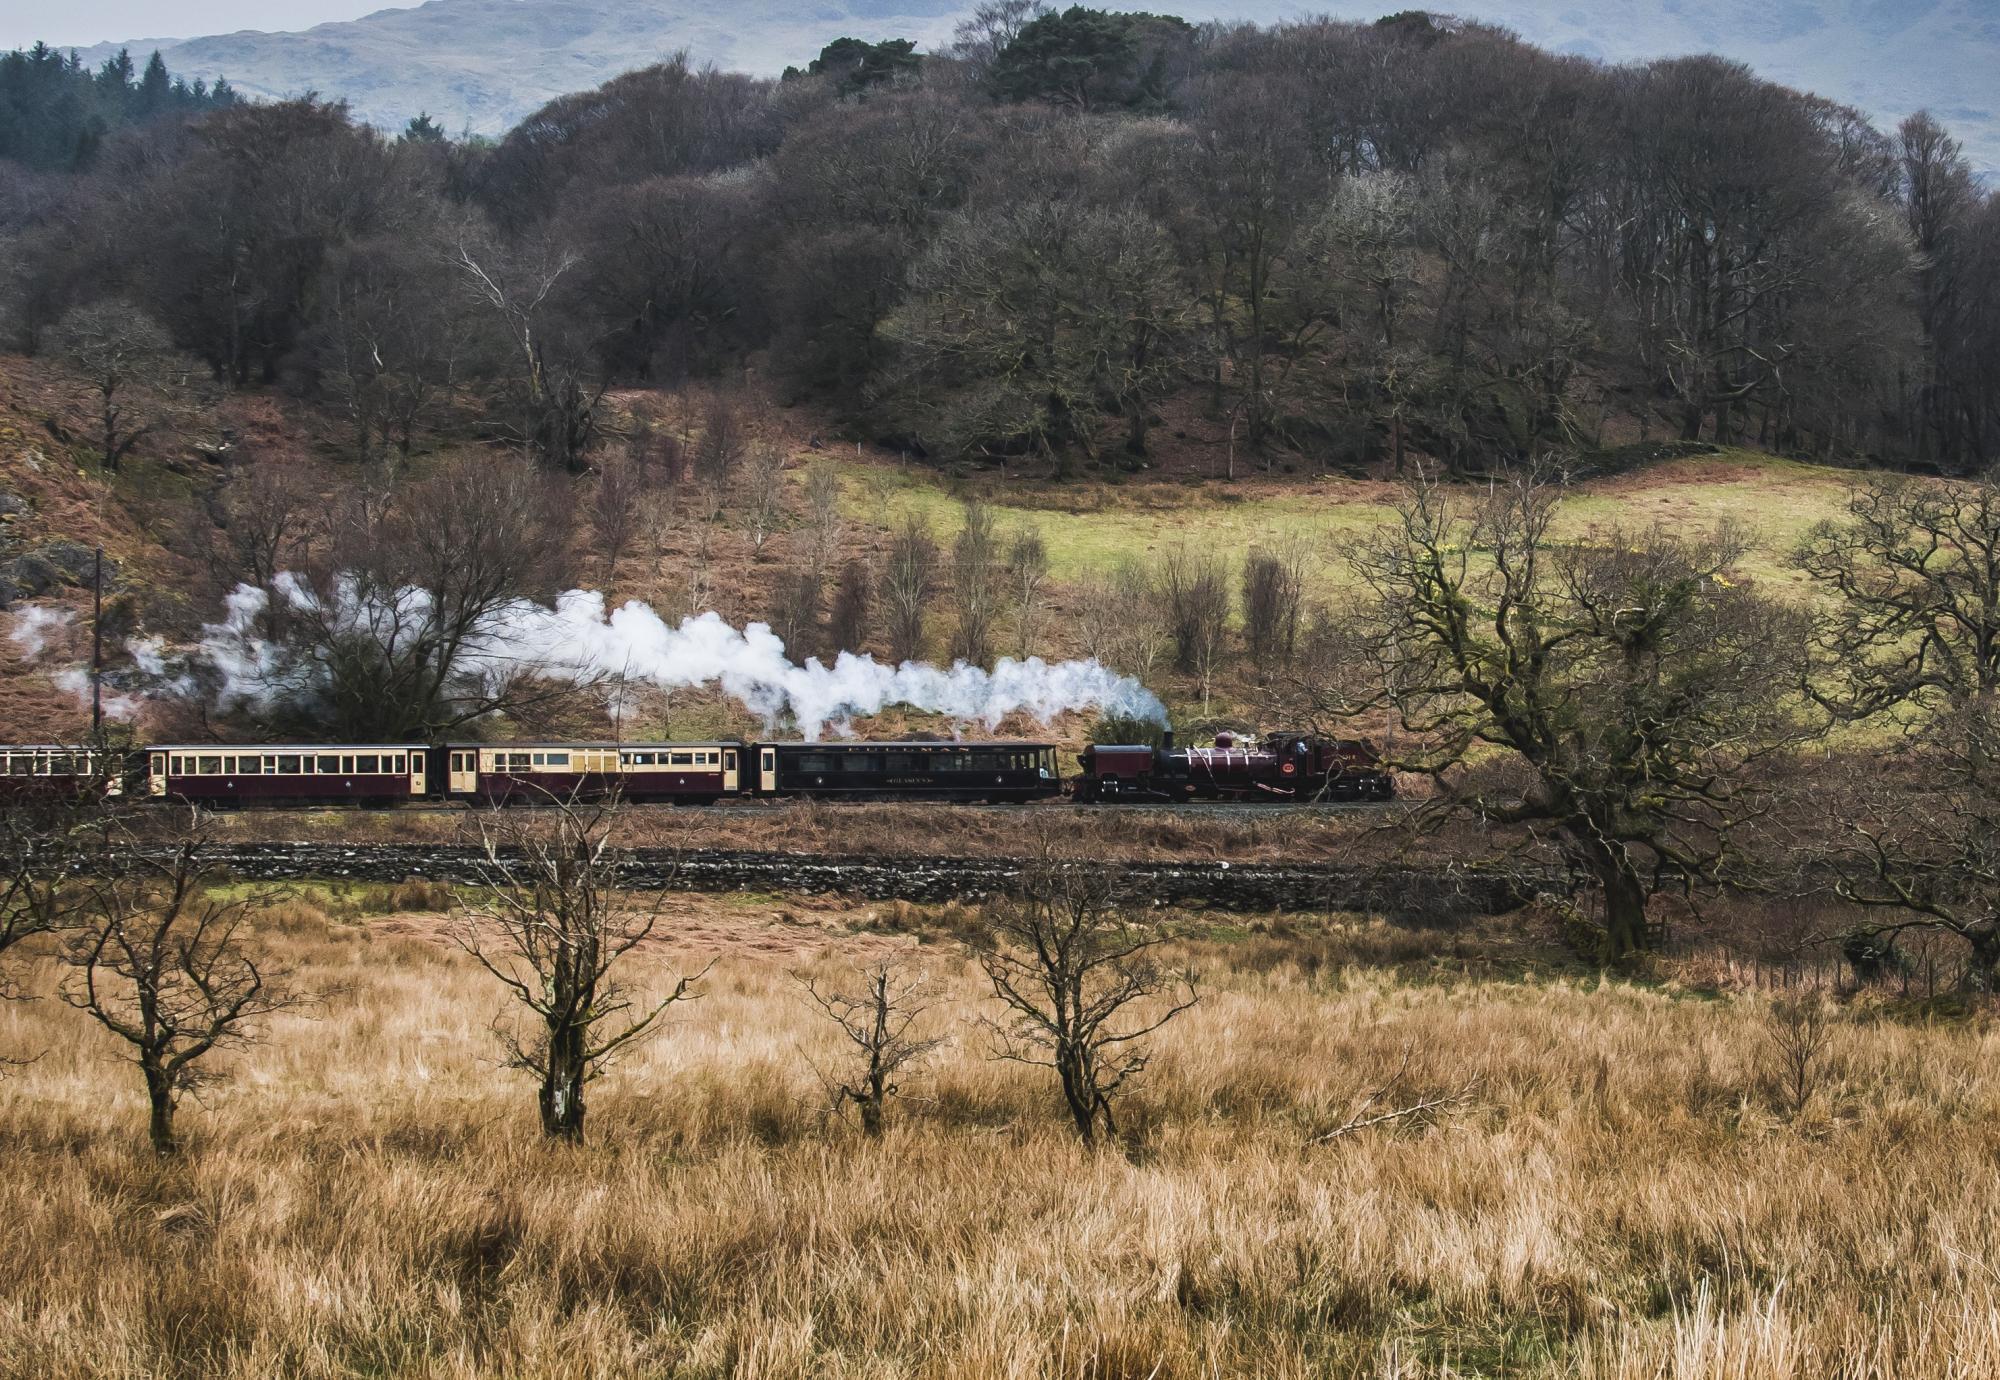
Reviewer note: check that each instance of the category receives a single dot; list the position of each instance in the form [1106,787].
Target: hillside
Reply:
[484,65]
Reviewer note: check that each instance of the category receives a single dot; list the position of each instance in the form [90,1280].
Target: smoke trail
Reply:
[35,624]
[34,627]
[579,641]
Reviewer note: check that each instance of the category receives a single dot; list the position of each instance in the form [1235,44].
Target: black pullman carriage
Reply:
[908,771]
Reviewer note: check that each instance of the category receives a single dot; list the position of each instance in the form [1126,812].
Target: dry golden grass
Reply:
[366,1195]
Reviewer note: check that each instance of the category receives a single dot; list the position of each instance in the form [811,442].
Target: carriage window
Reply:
[368,764]
[208,766]
[21,764]
[559,759]
[516,761]
[814,761]
[327,766]
[903,761]
[288,764]
[346,765]
[250,766]
[401,763]
[681,759]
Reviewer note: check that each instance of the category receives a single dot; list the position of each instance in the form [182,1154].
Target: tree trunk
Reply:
[562,1086]
[160,1096]
[1081,1096]
[1624,909]
[1982,974]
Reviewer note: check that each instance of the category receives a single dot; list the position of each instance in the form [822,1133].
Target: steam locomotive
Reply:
[1277,768]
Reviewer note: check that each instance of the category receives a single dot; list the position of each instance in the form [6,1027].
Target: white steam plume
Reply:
[34,627]
[578,640]
[35,624]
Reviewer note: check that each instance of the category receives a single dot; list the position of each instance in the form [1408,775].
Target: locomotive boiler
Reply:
[1279,767]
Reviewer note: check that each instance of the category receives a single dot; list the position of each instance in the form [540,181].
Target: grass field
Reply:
[366,1196]
[1094,527]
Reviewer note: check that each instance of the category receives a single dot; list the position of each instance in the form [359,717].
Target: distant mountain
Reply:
[483,64]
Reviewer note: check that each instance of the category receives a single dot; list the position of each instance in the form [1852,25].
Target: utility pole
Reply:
[97,646]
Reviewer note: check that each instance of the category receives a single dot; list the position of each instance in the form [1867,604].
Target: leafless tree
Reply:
[762,493]
[1274,593]
[720,445]
[1027,572]
[265,516]
[1079,983]
[880,1022]
[1195,590]
[1619,690]
[45,838]
[160,959]
[389,645]
[853,607]
[559,390]
[975,571]
[549,922]
[615,506]
[119,350]
[909,579]
[1911,639]
[1800,1031]
[825,526]
[795,617]
[985,33]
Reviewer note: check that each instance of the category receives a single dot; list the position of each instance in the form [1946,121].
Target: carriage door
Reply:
[464,772]
[767,770]
[156,773]
[729,770]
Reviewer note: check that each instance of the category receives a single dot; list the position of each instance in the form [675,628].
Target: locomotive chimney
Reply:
[1167,739]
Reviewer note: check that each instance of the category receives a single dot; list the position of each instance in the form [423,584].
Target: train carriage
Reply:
[1006,771]
[224,774]
[537,773]
[32,771]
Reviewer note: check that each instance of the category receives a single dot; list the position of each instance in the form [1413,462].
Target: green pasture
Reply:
[1093,527]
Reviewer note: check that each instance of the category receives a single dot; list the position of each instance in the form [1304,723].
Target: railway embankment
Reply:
[1422,895]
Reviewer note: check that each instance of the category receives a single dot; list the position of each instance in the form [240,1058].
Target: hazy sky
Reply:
[80,23]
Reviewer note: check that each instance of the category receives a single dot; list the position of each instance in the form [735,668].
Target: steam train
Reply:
[1279,767]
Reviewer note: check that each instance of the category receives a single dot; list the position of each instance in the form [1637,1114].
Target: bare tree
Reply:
[975,561]
[985,33]
[265,515]
[1079,983]
[615,509]
[719,446]
[118,349]
[762,493]
[1800,1032]
[879,1021]
[1911,639]
[1274,592]
[1195,589]
[825,527]
[1618,691]
[795,617]
[550,924]
[44,838]
[159,958]
[559,391]
[909,578]
[853,607]
[389,639]
[1027,572]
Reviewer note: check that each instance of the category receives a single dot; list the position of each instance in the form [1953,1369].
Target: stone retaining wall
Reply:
[1415,895]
